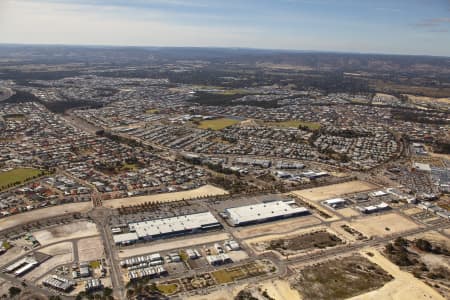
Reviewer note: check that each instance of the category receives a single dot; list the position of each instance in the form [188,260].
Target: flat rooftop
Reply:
[264,212]
[176,224]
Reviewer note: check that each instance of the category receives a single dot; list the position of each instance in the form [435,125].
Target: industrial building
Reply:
[150,272]
[160,228]
[147,260]
[22,266]
[335,203]
[220,259]
[59,283]
[374,208]
[264,212]
[93,285]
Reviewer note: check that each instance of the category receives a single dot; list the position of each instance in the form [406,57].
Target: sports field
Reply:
[217,124]
[17,176]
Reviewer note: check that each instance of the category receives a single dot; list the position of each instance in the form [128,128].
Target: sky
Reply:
[419,27]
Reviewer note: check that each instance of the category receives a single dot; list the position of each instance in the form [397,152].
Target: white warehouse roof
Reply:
[263,212]
[334,201]
[124,238]
[174,224]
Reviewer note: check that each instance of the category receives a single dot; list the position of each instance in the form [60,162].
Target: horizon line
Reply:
[219,47]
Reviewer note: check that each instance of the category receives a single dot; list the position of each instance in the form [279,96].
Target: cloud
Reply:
[435,22]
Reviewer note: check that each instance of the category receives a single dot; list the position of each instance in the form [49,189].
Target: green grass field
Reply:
[167,289]
[295,124]
[228,275]
[16,117]
[94,264]
[217,124]
[17,175]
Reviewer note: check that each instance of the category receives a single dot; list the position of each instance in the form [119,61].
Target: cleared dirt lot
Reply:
[66,232]
[206,190]
[285,226]
[412,211]
[220,293]
[348,212]
[261,244]
[181,243]
[90,249]
[434,237]
[376,225]
[340,278]
[335,190]
[58,249]
[280,290]
[49,265]
[62,254]
[404,286]
[44,213]
[11,254]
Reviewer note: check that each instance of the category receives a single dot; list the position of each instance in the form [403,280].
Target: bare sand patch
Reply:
[280,290]
[348,212]
[204,191]
[446,231]
[237,256]
[181,243]
[276,227]
[412,211]
[252,242]
[261,244]
[222,293]
[44,213]
[49,265]
[335,190]
[416,98]
[376,225]
[12,253]
[434,237]
[58,249]
[66,232]
[404,286]
[337,227]
[90,249]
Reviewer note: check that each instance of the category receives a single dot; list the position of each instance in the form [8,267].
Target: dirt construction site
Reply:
[335,190]
[204,191]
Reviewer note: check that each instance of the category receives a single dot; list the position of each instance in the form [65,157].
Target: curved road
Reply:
[6,93]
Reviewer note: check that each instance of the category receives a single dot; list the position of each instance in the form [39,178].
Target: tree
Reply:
[424,245]
[14,291]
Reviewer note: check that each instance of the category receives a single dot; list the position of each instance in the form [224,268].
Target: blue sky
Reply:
[375,26]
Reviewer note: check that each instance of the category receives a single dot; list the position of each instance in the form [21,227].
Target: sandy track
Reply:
[44,213]
[404,286]
[66,232]
[335,190]
[182,243]
[206,190]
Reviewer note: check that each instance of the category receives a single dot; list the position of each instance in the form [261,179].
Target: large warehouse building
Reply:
[264,212]
[159,228]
